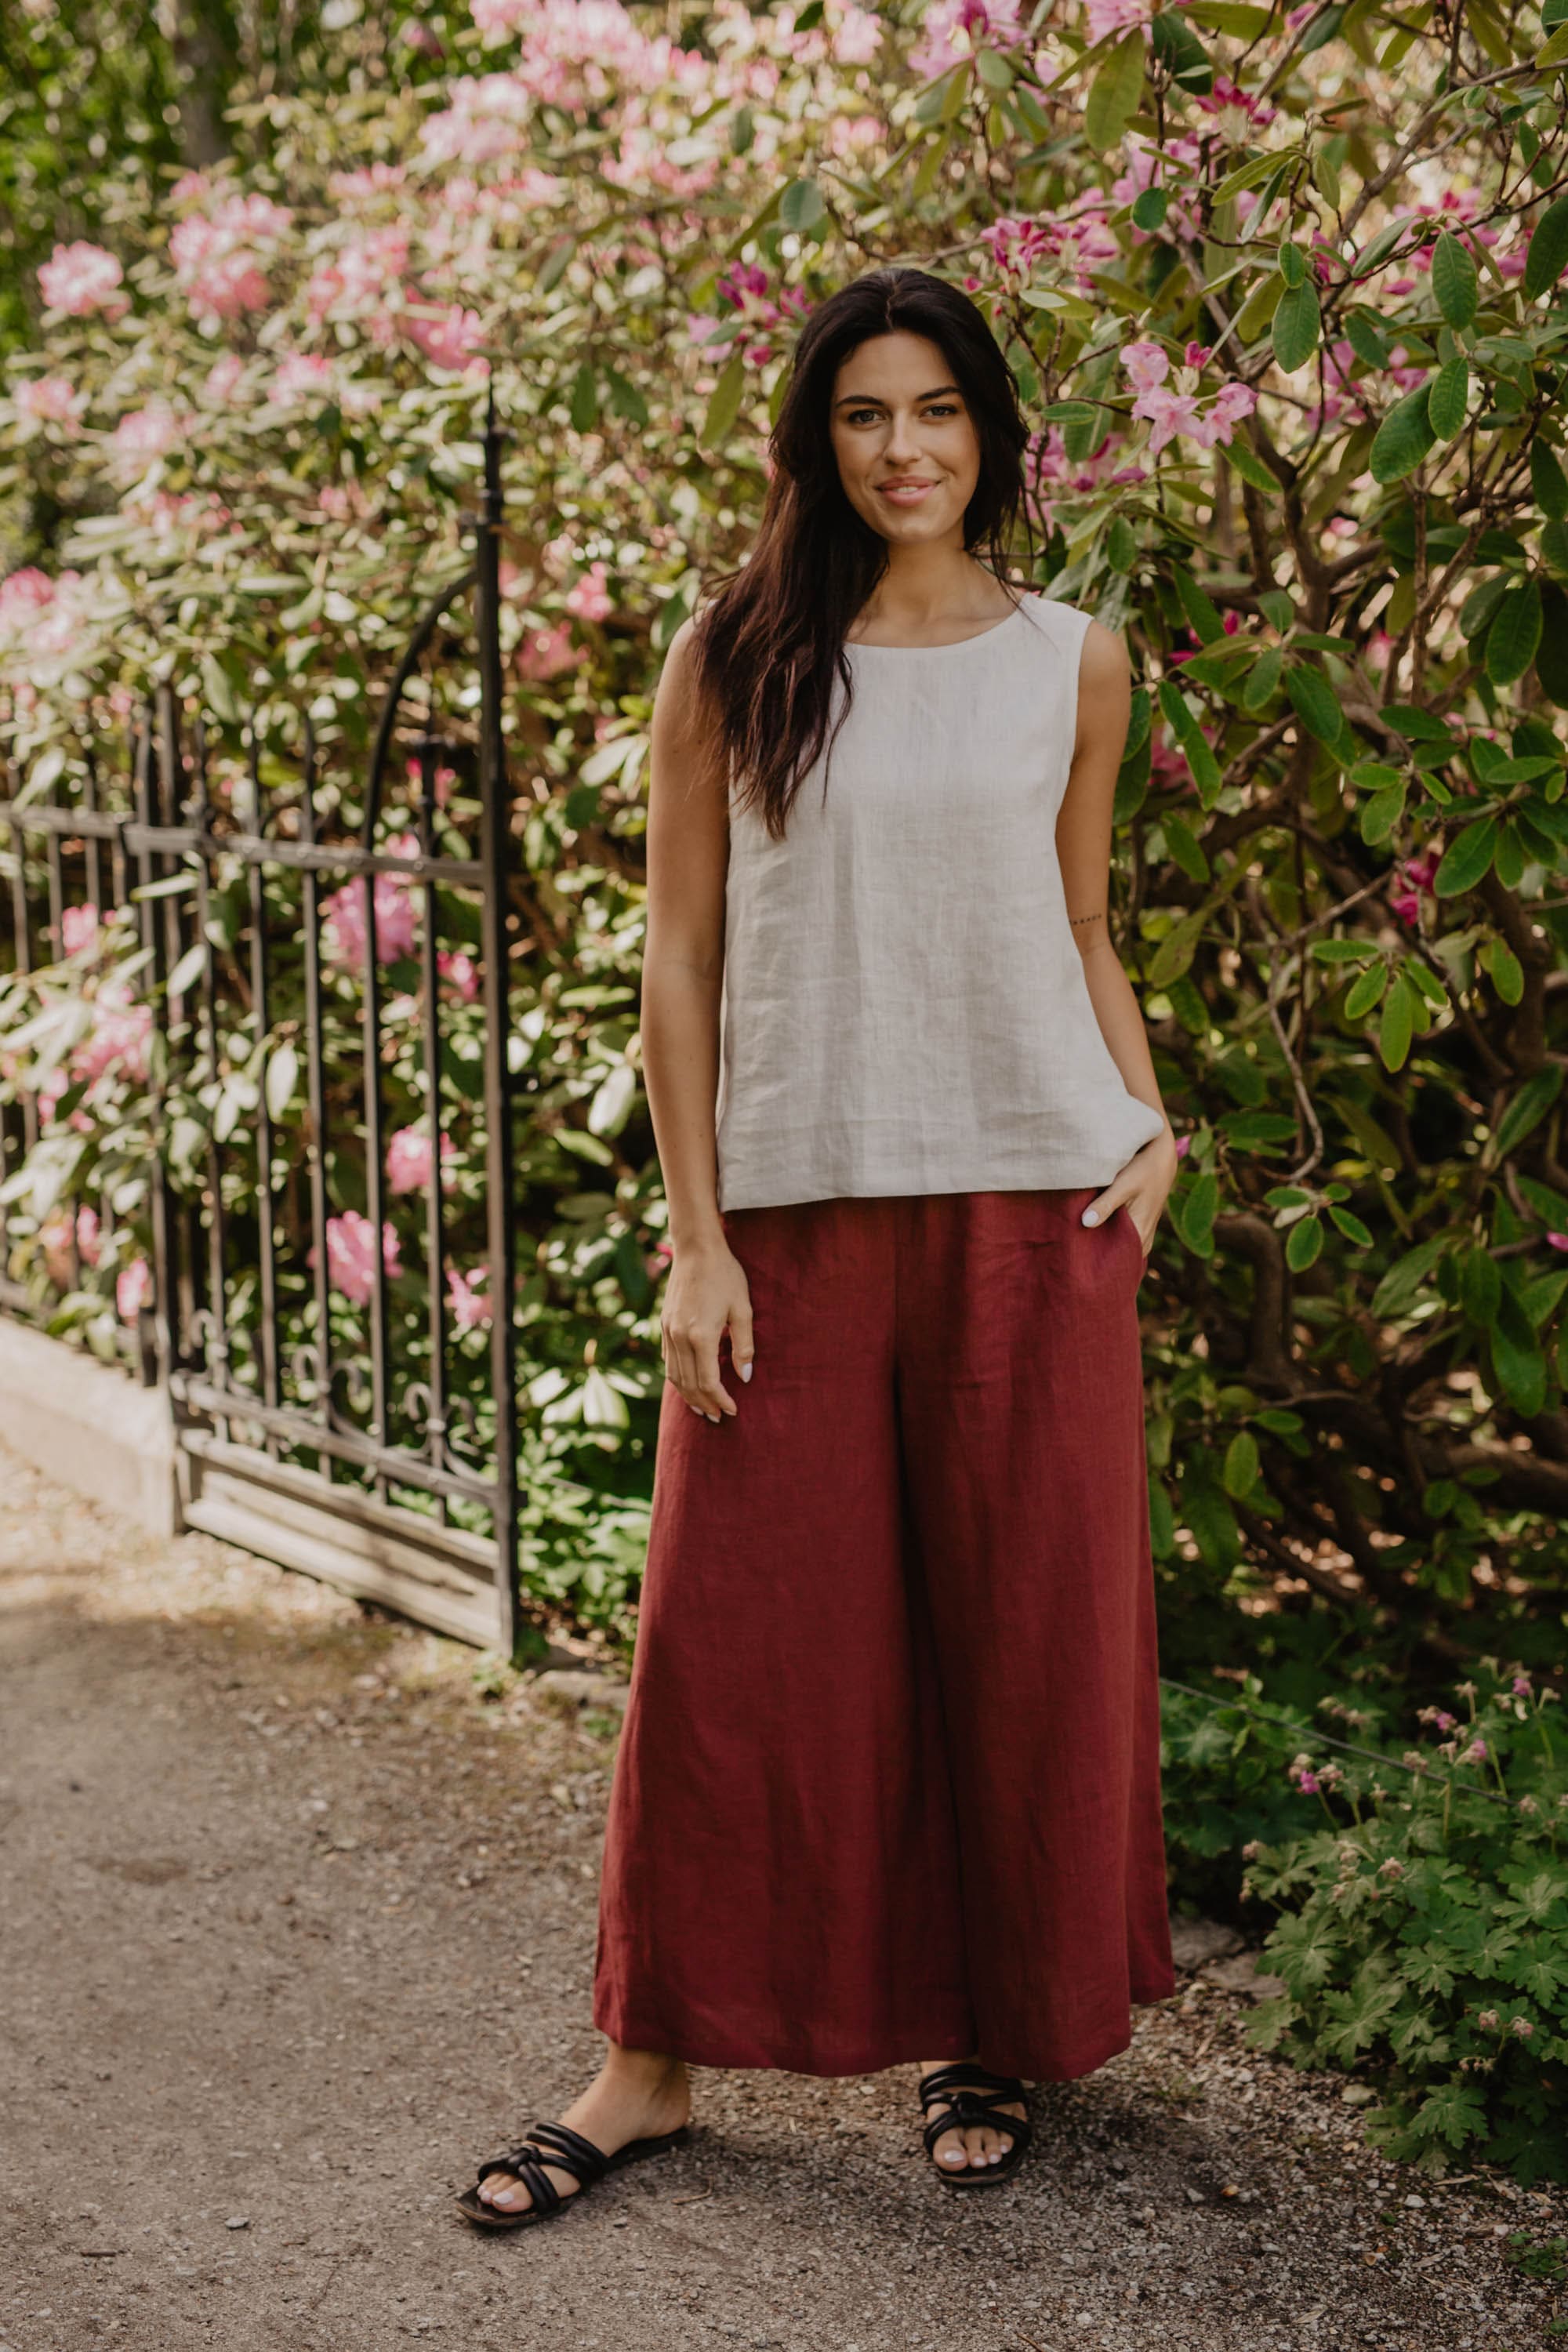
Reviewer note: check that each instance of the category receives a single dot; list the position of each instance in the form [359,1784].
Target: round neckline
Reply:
[952,646]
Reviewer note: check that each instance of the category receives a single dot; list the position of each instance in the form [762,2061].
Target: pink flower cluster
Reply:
[1103,16]
[144,436]
[221,248]
[1048,466]
[49,400]
[576,52]
[408,1160]
[1079,240]
[546,652]
[954,30]
[1172,408]
[397,914]
[469,1307]
[82,279]
[45,625]
[757,315]
[351,1254]
[1415,876]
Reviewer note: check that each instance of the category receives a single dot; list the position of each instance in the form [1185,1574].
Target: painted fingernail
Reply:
[1091,1216]
[745,1371]
[714,1416]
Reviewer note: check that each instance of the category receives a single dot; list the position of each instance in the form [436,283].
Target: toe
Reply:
[505,2191]
[982,2147]
[950,2151]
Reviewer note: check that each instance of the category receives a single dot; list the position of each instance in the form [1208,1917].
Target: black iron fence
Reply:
[291,967]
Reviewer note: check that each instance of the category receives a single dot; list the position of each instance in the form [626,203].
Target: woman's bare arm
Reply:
[1083,849]
[683,963]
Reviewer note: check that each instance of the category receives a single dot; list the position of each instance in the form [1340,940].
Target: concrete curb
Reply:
[90,1427]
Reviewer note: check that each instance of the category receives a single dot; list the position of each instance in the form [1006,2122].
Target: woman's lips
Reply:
[905,494]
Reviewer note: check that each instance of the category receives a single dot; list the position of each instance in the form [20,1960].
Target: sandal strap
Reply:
[577,2155]
[943,2079]
[967,2113]
[542,2194]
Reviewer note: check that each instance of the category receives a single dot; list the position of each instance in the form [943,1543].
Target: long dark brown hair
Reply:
[770,643]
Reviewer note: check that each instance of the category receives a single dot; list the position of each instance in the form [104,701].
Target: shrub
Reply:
[1423,1933]
[1284,301]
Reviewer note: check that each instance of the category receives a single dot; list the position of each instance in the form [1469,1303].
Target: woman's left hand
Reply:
[1143,1186]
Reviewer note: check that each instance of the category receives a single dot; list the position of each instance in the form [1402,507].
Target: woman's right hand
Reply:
[705,1295]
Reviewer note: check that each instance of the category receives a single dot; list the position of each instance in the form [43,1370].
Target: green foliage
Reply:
[1298,433]
[1423,1934]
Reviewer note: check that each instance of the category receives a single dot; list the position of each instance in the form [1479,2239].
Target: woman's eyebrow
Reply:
[874,400]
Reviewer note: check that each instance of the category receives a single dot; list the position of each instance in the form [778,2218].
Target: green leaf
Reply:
[1292,265]
[583,405]
[1198,608]
[1548,481]
[282,1077]
[1315,703]
[1305,1243]
[1239,1474]
[1551,654]
[1468,856]
[1515,634]
[724,403]
[1181,52]
[1398,1026]
[217,690]
[1481,1287]
[1263,681]
[1398,1289]
[1362,334]
[1352,1227]
[1194,1214]
[1121,546]
[1507,973]
[1381,813]
[1114,95]
[1527,1108]
[1185,848]
[1298,324]
[1150,209]
[1454,280]
[1243,460]
[1548,254]
[1449,398]
[801,204]
[1366,991]
[1176,949]
[1517,1360]
[1402,439]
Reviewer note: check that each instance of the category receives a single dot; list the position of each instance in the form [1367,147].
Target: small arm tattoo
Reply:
[1095,917]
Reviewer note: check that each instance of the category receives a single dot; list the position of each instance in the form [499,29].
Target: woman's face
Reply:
[908,453]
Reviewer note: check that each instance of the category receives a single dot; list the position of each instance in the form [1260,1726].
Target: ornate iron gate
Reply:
[322,1413]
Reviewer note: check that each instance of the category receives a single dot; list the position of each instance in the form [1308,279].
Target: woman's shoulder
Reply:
[1064,627]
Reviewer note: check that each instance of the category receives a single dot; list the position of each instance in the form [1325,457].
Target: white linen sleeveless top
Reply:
[904,1007]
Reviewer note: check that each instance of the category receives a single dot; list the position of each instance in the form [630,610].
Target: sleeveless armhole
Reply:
[1065,631]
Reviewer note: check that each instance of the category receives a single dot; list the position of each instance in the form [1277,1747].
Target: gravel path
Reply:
[297,1924]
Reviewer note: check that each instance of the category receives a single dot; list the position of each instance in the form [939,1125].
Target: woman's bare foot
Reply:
[958,2150]
[636,2095]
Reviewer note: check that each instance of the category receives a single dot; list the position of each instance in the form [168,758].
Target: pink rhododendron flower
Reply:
[408,1160]
[449,340]
[588,597]
[457,969]
[1103,16]
[395,910]
[51,400]
[487,117]
[55,1237]
[362,272]
[133,1290]
[119,1036]
[857,37]
[545,653]
[79,929]
[1145,365]
[218,255]
[953,29]
[469,1307]
[308,376]
[351,1254]
[1236,112]
[80,278]
[140,439]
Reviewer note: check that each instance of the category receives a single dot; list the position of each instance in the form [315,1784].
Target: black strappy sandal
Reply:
[559,2145]
[973,2094]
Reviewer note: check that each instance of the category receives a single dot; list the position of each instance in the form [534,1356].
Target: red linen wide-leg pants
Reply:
[888,1785]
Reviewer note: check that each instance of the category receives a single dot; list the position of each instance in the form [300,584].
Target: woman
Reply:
[888,1785]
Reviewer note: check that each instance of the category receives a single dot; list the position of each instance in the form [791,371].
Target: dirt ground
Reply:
[297,1924]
